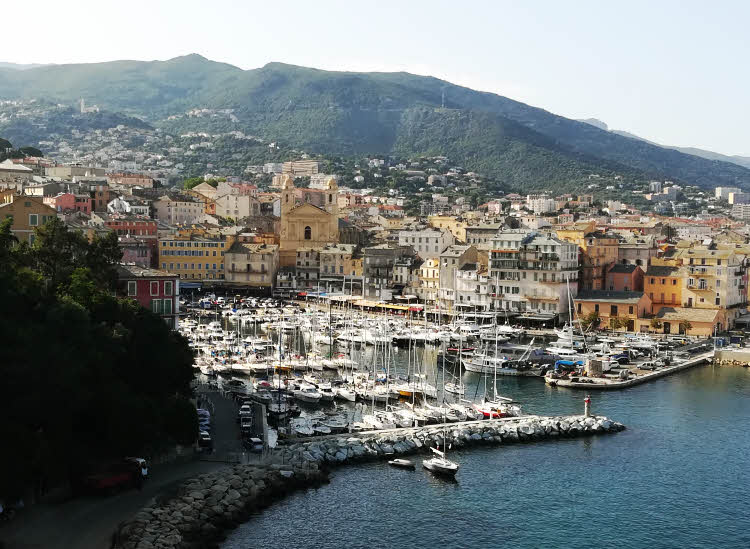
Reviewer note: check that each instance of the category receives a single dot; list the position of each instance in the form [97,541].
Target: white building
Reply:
[532,271]
[540,203]
[722,193]
[320,180]
[428,243]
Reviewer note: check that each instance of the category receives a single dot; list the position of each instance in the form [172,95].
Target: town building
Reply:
[306,225]
[624,278]
[155,290]
[612,307]
[663,285]
[251,265]
[533,272]
[27,213]
[377,269]
[178,210]
[194,257]
[300,168]
[427,243]
[68,172]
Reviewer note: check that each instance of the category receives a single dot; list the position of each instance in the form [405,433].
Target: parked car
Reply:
[112,478]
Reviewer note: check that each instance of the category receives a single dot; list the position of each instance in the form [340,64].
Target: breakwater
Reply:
[206,507]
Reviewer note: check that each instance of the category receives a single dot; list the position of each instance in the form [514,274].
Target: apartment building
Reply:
[27,213]
[252,265]
[178,210]
[194,257]
[427,243]
[531,271]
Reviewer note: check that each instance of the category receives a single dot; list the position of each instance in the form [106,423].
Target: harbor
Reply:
[321,372]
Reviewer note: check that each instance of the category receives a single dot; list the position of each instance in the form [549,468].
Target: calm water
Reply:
[678,477]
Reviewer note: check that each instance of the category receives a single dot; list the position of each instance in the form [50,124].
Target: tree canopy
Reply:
[86,376]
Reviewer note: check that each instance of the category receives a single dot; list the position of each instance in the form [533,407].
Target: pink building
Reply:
[624,278]
[70,203]
[137,251]
[155,290]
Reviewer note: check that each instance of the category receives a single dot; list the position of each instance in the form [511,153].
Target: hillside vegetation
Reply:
[346,112]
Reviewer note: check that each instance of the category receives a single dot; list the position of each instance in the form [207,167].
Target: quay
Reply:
[581,382]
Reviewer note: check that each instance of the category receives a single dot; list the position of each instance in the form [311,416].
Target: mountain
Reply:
[366,113]
[19,67]
[743,161]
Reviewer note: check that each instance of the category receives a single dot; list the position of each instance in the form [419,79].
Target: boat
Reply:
[402,463]
[440,465]
[342,393]
[307,393]
[454,389]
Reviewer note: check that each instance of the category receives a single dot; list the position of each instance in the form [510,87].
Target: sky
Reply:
[675,72]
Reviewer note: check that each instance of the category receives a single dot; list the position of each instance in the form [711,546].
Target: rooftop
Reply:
[623,269]
[130,271]
[609,295]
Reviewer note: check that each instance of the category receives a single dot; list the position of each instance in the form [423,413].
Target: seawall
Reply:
[206,507]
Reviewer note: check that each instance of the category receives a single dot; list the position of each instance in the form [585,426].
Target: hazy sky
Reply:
[675,72]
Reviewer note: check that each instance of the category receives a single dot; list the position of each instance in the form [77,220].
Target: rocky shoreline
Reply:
[206,507]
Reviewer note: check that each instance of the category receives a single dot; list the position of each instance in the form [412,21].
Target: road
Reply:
[88,522]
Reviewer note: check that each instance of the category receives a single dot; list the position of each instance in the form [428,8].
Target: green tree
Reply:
[590,321]
[685,326]
[655,324]
[86,376]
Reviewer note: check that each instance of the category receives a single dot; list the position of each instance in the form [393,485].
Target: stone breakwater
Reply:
[206,507]
[397,442]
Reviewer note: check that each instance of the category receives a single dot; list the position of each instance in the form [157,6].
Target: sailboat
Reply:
[439,464]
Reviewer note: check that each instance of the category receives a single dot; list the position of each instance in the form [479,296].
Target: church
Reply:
[305,225]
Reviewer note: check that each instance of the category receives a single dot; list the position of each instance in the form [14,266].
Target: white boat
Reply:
[454,389]
[440,464]
[307,393]
[342,393]
[402,463]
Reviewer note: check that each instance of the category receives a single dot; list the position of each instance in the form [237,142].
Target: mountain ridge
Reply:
[357,113]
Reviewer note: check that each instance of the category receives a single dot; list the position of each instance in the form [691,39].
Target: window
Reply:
[32,238]
[33,220]
[156,306]
[132,287]
[168,287]
[674,282]
[308,233]
[167,306]
[596,308]
[630,309]
[579,308]
[613,310]
[154,287]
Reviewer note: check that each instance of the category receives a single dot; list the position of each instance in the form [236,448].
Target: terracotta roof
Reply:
[690,314]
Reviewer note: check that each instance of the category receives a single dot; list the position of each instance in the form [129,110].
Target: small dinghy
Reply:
[402,463]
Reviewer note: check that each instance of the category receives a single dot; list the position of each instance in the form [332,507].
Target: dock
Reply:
[597,383]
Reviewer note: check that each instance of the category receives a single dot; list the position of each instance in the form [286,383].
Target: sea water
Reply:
[678,477]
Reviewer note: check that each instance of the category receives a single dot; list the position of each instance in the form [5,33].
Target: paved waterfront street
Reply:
[88,522]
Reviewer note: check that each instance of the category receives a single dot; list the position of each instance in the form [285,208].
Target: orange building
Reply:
[663,285]
[634,306]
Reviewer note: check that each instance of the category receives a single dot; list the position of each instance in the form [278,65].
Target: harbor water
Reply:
[678,477]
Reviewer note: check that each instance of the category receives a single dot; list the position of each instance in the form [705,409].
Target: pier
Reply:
[598,383]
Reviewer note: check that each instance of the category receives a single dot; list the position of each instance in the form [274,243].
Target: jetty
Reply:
[206,507]
[612,383]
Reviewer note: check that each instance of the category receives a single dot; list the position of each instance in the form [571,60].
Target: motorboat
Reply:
[307,393]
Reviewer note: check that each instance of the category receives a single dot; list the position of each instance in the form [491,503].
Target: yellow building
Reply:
[27,213]
[305,225]
[336,260]
[576,232]
[194,257]
[429,280]
[455,226]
